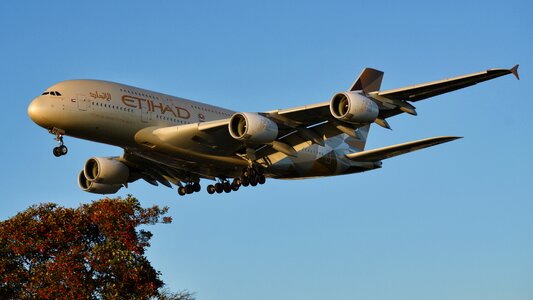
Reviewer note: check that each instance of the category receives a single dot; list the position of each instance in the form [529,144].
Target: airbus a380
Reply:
[174,141]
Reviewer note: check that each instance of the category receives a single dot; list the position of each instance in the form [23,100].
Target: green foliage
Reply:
[91,252]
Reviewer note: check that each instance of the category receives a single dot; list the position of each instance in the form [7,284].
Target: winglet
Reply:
[514,71]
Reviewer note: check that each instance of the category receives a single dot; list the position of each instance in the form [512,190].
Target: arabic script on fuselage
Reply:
[101,95]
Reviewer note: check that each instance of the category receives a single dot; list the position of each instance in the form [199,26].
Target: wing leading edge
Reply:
[395,101]
[430,89]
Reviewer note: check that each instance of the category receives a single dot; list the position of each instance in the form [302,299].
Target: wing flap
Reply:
[399,149]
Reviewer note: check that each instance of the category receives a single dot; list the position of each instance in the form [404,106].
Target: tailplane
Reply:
[399,149]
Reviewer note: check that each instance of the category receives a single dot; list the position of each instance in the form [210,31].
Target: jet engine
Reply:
[352,107]
[106,170]
[252,127]
[96,188]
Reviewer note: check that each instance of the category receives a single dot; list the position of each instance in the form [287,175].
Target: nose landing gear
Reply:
[61,149]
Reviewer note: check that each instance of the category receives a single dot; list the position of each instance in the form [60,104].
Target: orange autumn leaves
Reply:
[91,252]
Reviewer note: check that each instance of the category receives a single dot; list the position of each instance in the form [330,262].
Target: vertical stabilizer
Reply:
[369,81]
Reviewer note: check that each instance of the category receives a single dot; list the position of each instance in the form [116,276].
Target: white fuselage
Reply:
[114,114]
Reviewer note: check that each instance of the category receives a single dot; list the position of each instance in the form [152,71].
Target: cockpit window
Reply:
[53,93]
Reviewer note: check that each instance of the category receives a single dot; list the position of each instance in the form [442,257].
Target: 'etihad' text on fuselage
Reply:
[139,103]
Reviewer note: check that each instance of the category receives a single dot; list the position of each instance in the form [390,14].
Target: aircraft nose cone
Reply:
[36,111]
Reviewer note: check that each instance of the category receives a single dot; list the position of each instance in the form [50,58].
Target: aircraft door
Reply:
[82,102]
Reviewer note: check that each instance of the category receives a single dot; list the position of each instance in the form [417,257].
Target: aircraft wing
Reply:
[399,149]
[396,99]
[430,89]
[310,123]
[303,115]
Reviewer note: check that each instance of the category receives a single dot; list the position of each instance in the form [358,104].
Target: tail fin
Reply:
[368,81]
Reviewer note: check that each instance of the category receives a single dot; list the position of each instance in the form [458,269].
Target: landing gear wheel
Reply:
[218,188]
[211,189]
[182,191]
[245,182]
[253,181]
[189,189]
[63,149]
[57,152]
[261,179]
[196,187]
[227,187]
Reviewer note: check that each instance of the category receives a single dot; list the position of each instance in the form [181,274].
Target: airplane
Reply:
[177,142]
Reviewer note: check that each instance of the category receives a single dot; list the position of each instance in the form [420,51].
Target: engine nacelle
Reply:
[353,107]
[96,188]
[252,127]
[106,170]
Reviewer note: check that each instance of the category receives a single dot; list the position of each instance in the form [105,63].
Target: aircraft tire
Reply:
[56,151]
[218,188]
[210,189]
[227,187]
[63,149]
[189,189]
[182,191]
[197,187]
[253,181]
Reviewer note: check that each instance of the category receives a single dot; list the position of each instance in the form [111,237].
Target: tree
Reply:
[91,252]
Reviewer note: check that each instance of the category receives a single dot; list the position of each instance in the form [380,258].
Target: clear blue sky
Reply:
[451,222]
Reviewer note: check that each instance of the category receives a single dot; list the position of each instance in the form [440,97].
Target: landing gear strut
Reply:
[253,176]
[61,149]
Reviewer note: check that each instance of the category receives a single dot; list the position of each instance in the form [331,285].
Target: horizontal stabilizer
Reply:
[399,149]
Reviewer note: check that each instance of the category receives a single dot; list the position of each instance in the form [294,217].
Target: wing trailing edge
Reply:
[399,149]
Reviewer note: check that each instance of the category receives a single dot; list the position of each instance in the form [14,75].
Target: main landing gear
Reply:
[189,188]
[224,186]
[61,149]
[250,176]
